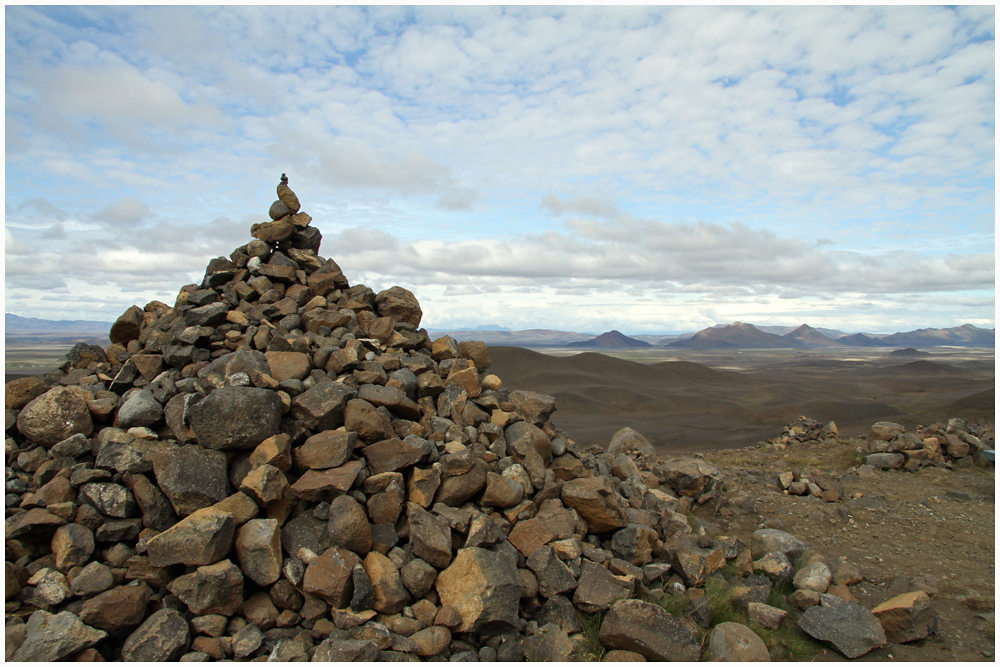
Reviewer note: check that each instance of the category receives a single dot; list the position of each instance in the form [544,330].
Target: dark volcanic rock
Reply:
[236,417]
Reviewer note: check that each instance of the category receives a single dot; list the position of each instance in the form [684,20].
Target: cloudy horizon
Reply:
[645,169]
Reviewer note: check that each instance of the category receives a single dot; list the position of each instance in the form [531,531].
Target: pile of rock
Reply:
[282,466]
[803,431]
[957,443]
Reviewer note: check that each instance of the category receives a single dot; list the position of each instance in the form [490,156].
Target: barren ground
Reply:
[932,530]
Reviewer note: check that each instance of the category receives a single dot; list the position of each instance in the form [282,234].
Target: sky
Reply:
[646,169]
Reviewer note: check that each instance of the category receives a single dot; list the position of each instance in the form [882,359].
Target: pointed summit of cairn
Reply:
[283,466]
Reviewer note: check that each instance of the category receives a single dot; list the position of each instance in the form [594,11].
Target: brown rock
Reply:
[432,641]
[646,628]
[501,491]
[211,589]
[330,576]
[391,455]
[18,393]
[456,489]
[370,424]
[484,588]
[258,549]
[596,501]
[275,451]
[423,486]
[327,449]
[203,537]
[598,589]
[907,618]
[390,593]
[399,304]
[72,545]
[127,327]
[530,534]
[348,525]
[324,485]
[118,610]
[265,484]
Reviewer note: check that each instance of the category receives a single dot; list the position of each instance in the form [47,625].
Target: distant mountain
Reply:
[811,337]
[736,336]
[15,324]
[966,335]
[860,340]
[832,334]
[615,340]
[525,338]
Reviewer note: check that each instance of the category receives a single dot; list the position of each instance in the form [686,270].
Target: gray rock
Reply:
[163,637]
[157,512]
[648,629]
[346,650]
[236,417]
[71,447]
[211,315]
[885,460]
[734,642]
[109,499]
[849,627]
[119,610]
[191,477]
[250,362]
[766,540]
[211,589]
[551,644]
[141,409]
[554,577]
[630,441]
[51,637]
[322,407]
[598,589]
[430,536]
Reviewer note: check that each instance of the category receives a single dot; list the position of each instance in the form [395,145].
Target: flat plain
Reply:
[704,400]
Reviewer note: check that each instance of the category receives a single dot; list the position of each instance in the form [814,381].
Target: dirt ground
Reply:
[932,530]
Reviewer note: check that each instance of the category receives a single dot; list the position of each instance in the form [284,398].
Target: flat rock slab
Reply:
[849,627]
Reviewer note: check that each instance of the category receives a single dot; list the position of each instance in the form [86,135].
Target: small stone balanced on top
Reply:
[288,227]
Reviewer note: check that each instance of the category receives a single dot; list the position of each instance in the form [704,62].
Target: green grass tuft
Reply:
[592,649]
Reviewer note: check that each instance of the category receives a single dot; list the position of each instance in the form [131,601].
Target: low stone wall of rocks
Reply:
[957,443]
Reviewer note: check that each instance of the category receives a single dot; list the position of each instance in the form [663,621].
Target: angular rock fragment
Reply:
[647,629]
[484,587]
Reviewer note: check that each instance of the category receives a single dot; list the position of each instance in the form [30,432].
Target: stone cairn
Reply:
[282,466]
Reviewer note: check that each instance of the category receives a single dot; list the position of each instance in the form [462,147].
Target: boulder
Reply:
[907,618]
[322,407]
[52,637]
[330,576]
[164,637]
[211,589]
[54,416]
[766,540]
[202,538]
[648,629]
[734,642]
[348,526]
[631,442]
[484,587]
[689,476]
[399,304]
[258,550]
[236,417]
[847,626]
[191,477]
[598,589]
[327,449]
[596,501]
